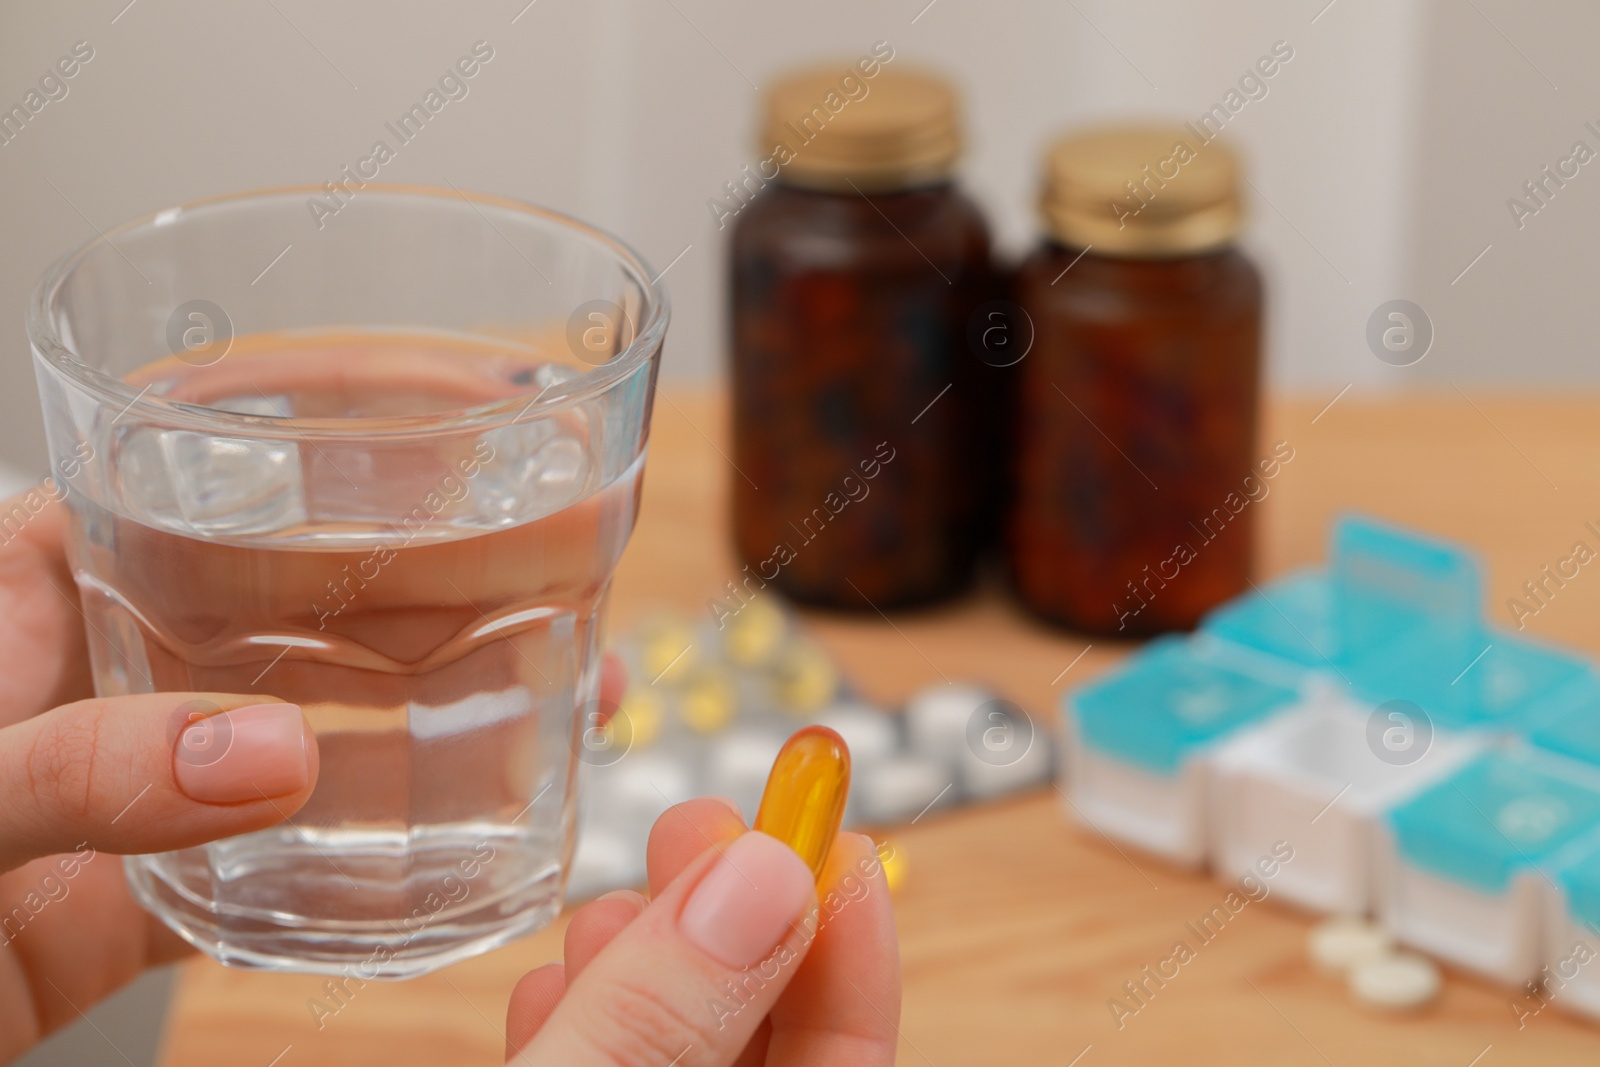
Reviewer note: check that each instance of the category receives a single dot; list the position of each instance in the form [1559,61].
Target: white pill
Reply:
[1395,982]
[995,771]
[868,733]
[901,788]
[1337,945]
[938,718]
[635,790]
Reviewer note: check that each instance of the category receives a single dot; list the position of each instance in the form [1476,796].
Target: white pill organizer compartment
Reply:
[1320,777]
[1136,740]
[1570,977]
[1462,864]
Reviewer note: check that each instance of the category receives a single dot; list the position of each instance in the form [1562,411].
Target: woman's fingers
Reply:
[684,832]
[681,834]
[843,1005]
[590,930]
[691,978]
[44,660]
[132,774]
[595,924]
[150,773]
[532,1001]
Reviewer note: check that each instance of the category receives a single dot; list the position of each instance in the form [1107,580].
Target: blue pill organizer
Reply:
[1135,740]
[1569,723]
[1290,620]
[1426,766]
[1467,858]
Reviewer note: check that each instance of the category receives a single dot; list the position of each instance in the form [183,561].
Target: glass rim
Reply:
[647,339]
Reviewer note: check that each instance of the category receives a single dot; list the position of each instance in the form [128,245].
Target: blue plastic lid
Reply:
[1390,584]
[1580,879]
[1386,590]
[1170,699]
[1291,618]
[1506,683]
[1570,723]
[1515,678]
[1502,813]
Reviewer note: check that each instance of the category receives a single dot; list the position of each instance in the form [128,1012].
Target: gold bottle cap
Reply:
[831,127]
[1141,192]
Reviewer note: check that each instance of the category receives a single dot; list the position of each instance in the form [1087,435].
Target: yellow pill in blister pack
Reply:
[666,649]
[707,701]
[806,791]
[753,635]
[637,722]
[805,678]
[893,859]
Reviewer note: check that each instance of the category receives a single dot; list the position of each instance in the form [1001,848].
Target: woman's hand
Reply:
[734,961]
[81,777]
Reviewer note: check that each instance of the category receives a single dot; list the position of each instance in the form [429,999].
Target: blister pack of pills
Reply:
[709,705]
[1422,765]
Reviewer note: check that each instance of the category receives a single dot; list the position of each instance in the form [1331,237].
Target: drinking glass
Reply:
[376,454]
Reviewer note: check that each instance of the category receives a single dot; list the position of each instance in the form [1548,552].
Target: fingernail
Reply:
[248,753]
[747,901]
[631,896]
[729,803]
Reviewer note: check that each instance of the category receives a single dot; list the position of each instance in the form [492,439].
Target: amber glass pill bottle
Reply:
[863,426]
[1135,479]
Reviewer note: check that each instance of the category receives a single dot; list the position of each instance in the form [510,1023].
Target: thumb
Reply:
[150,773]
[690,980]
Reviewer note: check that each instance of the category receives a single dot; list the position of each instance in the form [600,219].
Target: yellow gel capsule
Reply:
[804,800]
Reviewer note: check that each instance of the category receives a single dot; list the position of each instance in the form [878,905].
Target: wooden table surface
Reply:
[1017,926]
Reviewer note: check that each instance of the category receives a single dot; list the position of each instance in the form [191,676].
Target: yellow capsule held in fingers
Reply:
[805,795]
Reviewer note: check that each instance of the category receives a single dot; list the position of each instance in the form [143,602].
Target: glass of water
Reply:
[379,461]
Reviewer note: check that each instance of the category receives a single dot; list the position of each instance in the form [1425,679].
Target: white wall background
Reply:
[1381,157]
[1502,101]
